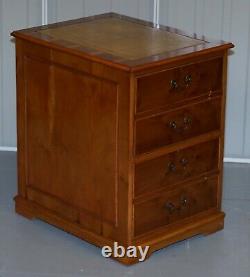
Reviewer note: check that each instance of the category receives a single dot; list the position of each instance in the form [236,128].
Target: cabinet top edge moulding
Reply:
[109,39]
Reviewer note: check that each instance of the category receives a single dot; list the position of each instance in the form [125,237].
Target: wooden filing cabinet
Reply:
[121,130]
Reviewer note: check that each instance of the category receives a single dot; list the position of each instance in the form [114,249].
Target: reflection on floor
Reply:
[36,249]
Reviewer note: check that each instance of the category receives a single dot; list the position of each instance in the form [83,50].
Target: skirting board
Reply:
[237,160]
[9,149]
[226,160]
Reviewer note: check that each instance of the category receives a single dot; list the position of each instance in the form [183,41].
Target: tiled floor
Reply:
[36,249]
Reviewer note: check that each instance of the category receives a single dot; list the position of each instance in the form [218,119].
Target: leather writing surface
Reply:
[120,38]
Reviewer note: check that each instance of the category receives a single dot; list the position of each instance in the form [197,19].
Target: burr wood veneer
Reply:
[121,130]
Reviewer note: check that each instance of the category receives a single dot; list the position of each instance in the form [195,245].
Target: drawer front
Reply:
[175,205]
[168,170]
[178,84]
[171,127]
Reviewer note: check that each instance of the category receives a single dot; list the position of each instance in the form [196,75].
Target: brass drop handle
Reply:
[170,207]
[174,84]
[187,82]
[172,167]
[173,124]
[187,122]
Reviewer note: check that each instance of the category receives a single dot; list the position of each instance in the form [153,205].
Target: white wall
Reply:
[14,14]
[226,19]
[65,9]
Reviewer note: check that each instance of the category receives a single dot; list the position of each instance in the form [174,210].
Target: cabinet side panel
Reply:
[71,138]
[75,141]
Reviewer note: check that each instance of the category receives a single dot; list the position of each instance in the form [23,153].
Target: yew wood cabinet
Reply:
[121,130]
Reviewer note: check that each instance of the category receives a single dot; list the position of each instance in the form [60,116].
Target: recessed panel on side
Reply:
[71,136]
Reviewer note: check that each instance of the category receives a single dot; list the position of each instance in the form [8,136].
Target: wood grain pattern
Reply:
[172,126]
[44,116]
[90,164]
[175,205]
[179,84]
[55,145]
[169,170]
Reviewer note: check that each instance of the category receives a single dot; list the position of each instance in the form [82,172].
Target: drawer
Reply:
[175,205]
[178,84]
[173,168]
[171,127]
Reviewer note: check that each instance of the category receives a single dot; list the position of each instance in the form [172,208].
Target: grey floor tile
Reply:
[8,188]
[7,160]
[236,181]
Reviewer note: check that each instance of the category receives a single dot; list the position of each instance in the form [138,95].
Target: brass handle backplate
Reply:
[170,207]
[188,80]
[187,120]
[173,124]
[174,84]
[172,167]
